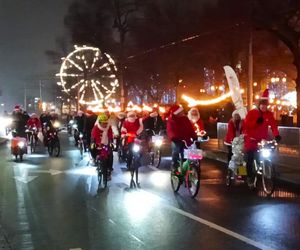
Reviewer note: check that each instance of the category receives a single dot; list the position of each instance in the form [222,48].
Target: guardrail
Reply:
[289,146]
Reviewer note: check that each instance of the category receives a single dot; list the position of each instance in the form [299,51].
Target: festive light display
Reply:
[192,102]
[89,73]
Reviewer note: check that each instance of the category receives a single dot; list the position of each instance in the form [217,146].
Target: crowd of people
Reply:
[182,129]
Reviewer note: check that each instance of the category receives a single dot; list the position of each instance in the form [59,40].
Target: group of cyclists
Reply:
[115,131]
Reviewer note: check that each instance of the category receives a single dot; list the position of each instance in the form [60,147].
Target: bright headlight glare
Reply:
[71,122]
[75,126]
[158,143]
[81,136]
[56,124]
[266,153]
[21,144]
[136,148]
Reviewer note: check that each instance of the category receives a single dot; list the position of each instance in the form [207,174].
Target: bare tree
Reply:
[282,18]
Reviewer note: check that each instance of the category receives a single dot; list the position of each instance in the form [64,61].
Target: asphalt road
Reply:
[53,203]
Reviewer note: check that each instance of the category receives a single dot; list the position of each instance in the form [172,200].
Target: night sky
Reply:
[27,29]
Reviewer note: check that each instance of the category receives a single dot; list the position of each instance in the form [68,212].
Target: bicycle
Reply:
[155,149]
[189,171]
[135,153]
[262,166]
[32,138]
[102,161]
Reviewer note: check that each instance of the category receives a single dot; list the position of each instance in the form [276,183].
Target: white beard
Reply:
[131,119]
[194,119]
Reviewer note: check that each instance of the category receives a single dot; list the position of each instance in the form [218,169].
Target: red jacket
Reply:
[254,132]
[97,135]
[131,129]
[180,128]
[198,126]
[33,122]
[233,130]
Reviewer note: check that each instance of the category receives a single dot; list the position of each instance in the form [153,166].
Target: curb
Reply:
[213,156]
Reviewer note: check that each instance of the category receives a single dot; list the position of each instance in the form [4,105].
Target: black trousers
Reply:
[250,156]
[177,152]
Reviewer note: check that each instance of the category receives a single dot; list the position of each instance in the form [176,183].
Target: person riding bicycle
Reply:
[19,121]
[234,129]
[121,116]
[79,121]
[179,129]
[256,127]
[153,125]
[89,122]
[132,127]
[102,135]
[34,123]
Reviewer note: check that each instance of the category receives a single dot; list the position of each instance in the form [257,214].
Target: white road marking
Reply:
[219,228]
[137,239]
[25,180]
[50,171]
[75,249]
[208,223]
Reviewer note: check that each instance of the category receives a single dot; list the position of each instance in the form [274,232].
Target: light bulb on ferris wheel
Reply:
[90,74]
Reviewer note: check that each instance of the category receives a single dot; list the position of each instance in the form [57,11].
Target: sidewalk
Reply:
[287,173]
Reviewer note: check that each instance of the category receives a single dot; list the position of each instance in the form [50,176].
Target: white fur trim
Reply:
[176,112]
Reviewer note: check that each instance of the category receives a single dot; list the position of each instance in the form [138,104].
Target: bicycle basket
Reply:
[193,154]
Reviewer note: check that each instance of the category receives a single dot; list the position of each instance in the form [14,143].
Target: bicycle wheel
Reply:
[193,179]
[132,169]
[32,148]
[81,148]
[156,160]
[229,177]
[252,182]
[56,149]
[104,174]
[99,174]
[50,150]
[268,177]
[175,181]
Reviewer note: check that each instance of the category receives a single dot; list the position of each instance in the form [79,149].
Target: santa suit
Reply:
[180,128]
[131,129]
[255,132]
[100,135]
[198,126]
[234,129]
[33,122]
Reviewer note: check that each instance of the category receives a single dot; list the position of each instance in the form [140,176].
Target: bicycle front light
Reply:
[266,153]
[75,126]
[56,124]
[21,144]
[136,148]
[158,143]
[81,136]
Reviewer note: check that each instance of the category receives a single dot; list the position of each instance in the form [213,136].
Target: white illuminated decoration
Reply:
[89,74]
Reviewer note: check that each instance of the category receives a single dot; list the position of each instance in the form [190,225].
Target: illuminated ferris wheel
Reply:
[89,74]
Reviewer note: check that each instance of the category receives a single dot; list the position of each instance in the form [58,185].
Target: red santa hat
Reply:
[17,108]
[154,112]
[264,97]
[176,109]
